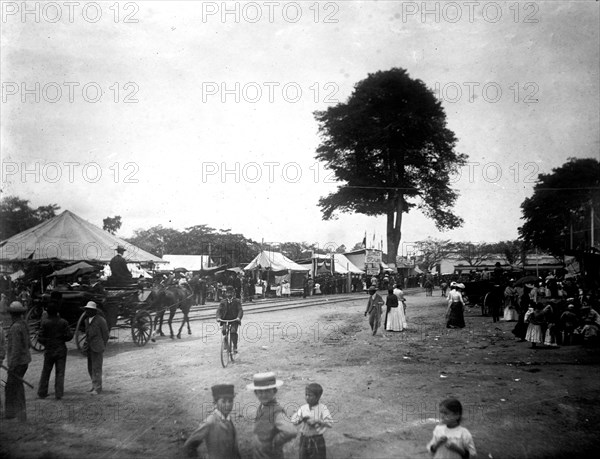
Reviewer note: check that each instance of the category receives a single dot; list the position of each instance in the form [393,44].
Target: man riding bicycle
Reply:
[230,309]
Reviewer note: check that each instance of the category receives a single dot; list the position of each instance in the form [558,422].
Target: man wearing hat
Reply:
[374,309]
[118,267]
[54,333]
[217,430]
[231,309]
[97,337]
[17,362]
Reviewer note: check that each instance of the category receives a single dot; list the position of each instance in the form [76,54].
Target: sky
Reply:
[186,113]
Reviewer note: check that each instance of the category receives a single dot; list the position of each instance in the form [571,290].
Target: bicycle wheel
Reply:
[225,350]
[231,353]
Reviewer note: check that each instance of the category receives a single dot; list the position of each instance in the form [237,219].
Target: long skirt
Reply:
[456,319]
[395,319]
[510,314]
[534,334]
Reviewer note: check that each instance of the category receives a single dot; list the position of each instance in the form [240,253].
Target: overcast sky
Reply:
[188,93]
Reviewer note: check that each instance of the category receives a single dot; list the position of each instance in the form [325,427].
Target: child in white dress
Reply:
[451,440]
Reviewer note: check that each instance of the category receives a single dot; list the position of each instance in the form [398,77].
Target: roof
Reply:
[275,261]
[189,262]
[68,237]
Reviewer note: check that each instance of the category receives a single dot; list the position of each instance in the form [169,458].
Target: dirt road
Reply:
[383,391]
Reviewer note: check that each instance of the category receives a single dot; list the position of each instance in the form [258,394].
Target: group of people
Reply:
[272,427]
[395,314]
[54,334]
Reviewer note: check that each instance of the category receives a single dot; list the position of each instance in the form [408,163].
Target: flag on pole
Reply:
[364,242]
[373,243]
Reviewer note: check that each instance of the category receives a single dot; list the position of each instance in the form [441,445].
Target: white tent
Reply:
[68,237]
[189,262]
[342,264]
[275,262]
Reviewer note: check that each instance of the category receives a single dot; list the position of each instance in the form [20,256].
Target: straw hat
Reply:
[263,381]
[17,307]
[91,305]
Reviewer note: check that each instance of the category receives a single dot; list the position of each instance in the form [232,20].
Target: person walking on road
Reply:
[374,309]
[54,333]
[18,361]
[97,337]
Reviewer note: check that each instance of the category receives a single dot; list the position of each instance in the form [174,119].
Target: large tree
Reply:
[558,215]
[16,215]
[390,147]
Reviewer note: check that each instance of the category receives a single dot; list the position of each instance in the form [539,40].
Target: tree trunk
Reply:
[394,227]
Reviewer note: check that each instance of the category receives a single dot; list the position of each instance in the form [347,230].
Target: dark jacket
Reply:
[54,333]
[230,309]
[97,333]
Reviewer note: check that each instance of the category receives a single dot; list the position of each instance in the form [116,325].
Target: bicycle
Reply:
[227,354]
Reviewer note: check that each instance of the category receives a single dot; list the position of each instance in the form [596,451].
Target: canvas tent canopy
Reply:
[189,262]
[276,262]
[68,237]
[341,265]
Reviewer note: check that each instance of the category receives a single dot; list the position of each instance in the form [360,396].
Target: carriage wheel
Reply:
[225,351]
[34,322]
[81,335]
[141,328]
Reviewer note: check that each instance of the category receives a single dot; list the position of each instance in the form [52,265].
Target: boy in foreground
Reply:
[272,429]
[217,431]
[314,418]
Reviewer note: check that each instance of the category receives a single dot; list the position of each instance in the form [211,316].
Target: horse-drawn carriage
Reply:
[124,306]
[484,293]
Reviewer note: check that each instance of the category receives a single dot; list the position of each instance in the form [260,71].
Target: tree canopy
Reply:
[112,224]
[390,147]
[16,215]
[558,215]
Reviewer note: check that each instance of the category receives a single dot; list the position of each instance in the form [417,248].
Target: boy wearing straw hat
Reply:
[217,431]
[272,429]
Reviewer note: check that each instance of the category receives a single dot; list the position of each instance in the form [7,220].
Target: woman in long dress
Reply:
[510,303]
[455,314]
[395,320]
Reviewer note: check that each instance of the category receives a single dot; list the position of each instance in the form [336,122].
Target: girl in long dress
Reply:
[510,303]
[536,319]
[455,314]
[395,319]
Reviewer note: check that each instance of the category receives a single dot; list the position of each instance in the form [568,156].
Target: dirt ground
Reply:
[383,391]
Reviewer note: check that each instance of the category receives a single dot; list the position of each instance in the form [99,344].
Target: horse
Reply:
[171,297]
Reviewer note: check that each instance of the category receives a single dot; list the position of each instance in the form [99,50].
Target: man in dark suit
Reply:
[231,309]
[374,309]
[97,337]
[118,267]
